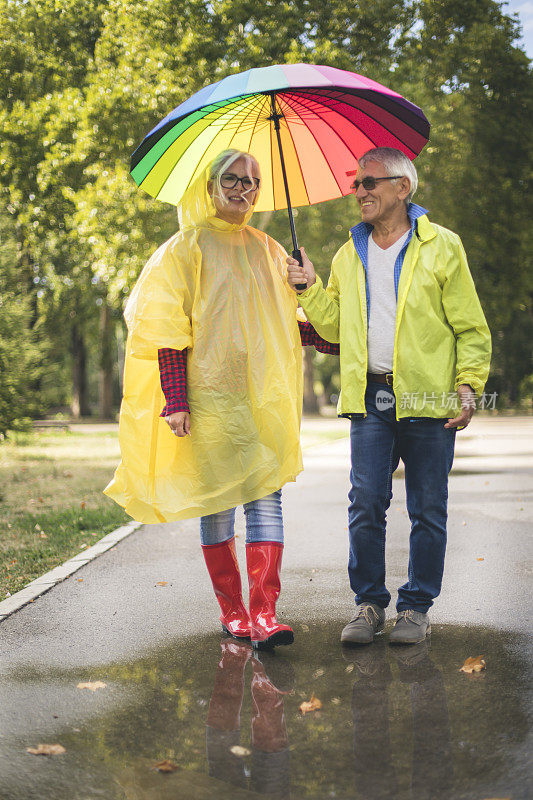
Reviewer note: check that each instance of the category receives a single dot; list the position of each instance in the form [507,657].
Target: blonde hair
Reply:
[221,164]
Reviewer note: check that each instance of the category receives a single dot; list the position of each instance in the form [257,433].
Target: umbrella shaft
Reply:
[276,118]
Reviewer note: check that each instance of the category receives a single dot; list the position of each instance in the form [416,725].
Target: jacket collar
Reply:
[424,229]
[417,217]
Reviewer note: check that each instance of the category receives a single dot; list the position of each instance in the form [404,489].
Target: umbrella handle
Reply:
[298,256]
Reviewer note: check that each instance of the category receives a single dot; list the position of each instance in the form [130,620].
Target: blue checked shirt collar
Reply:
[362,231]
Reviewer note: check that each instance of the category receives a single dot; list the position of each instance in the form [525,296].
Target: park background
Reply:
[82,82]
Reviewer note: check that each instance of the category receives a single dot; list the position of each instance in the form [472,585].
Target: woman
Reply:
[212,323]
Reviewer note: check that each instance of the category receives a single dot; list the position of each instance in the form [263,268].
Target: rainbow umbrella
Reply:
[306,125]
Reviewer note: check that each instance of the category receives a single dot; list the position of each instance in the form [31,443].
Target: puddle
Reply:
[395,722]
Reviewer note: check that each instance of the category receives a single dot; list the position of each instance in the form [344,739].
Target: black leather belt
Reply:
[385,377]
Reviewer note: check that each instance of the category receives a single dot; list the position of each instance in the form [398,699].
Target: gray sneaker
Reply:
[411,627]
[361,629]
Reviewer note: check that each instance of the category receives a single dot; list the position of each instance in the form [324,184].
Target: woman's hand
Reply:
[179,423]
[297,274]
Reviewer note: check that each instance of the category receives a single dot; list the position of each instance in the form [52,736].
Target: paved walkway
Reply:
[111,618]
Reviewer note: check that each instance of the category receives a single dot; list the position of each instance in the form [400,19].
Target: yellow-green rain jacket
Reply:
[219,290]
[441,339]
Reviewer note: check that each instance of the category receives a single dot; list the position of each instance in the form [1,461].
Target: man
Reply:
[414,345]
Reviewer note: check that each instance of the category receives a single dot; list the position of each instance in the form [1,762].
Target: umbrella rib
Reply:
[313,98]
[378,96]
[298,160]
[222,129]
[317,144]
[217,111]
[152,139]
[251,107]
[345,143]
[208,145]
[381,124]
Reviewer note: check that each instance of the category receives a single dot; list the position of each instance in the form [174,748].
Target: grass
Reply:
[51,501]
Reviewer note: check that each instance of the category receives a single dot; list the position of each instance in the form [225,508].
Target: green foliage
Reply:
[18,352]
[82,82]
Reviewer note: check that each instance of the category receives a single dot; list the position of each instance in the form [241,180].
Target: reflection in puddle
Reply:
[269,772]
[398,723]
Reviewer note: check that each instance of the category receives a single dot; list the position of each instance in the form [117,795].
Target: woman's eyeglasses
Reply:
[229,181]
[370,182]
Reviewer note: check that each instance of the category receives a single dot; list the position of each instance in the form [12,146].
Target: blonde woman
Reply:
[213,332]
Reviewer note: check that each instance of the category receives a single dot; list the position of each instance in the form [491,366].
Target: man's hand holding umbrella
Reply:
[299,275]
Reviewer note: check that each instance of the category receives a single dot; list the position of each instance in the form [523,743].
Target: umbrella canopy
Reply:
[322,118]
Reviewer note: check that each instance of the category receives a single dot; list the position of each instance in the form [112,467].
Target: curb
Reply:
[50,579]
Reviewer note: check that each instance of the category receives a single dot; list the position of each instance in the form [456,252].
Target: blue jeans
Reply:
[264,522]
[426,448]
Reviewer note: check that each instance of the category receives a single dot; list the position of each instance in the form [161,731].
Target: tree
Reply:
[19,355]
[82,82]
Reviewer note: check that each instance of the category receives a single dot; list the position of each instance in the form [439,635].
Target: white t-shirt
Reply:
[382,320]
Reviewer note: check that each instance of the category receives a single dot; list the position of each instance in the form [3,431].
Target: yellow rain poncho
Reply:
[219,290]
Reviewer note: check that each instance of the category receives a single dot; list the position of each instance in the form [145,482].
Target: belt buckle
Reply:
[387,376]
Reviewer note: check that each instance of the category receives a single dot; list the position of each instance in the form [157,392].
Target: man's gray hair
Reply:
[395,163]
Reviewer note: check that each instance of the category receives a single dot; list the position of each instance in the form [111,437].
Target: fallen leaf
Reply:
[92,685]
[237,750]
[336,701]
[473,665]
[349,668]
[80,580]
[480,559]
[46,750]
[304,628]
[166,766]
[162,583]
[318,673]
[314,704]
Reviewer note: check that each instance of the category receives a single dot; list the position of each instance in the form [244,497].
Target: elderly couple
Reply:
[210,418]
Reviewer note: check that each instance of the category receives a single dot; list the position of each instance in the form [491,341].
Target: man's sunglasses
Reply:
[370,182]
[229,181]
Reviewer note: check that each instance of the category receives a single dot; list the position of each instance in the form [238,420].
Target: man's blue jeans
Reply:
[426,448]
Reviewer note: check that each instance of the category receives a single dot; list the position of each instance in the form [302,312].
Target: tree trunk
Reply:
[310,405]
[80,400]
[107,342]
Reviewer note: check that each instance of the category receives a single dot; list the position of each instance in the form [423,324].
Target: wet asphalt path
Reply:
[391,726]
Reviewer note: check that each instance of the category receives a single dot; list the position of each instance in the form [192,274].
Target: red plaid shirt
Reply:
[173,368]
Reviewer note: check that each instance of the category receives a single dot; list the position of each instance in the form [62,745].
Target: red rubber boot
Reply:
[224,572]
[264,566]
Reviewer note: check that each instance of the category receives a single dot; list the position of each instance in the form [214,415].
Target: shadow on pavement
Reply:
[394,723]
